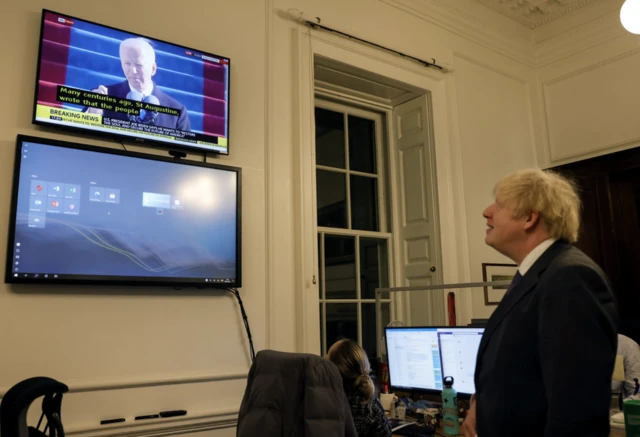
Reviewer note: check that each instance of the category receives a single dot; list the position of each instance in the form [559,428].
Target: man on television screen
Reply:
[138,61]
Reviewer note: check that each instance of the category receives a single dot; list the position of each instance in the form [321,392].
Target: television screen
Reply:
[103,80]
[82,214]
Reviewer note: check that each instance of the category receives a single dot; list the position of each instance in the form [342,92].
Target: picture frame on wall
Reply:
[496,272]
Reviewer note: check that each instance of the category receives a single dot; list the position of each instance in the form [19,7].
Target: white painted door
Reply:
[417,228]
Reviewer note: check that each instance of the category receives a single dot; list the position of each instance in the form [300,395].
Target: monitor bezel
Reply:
[115,134]
[110,280]
[462,395]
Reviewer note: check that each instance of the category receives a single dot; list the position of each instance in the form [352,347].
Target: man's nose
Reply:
[487,212]
[134,70]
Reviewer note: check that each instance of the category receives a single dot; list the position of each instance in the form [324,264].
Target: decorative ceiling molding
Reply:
[463,22]
[568,34]
[535,13]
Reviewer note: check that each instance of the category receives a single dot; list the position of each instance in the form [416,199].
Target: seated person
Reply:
[366,409]
[630,351]
[138,61]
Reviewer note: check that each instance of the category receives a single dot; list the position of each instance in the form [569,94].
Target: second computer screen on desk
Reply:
[420,357]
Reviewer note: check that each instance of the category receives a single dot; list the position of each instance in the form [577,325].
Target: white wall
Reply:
[104,337]
[589,100]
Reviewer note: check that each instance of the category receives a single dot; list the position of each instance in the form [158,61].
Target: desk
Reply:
[614,433]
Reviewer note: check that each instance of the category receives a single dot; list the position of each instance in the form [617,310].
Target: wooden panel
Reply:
[418,232]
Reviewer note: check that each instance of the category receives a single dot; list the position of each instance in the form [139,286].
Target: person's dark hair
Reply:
[353,364]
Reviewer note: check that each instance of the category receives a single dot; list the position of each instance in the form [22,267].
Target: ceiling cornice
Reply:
[462,22]
[592,25]
[535,13]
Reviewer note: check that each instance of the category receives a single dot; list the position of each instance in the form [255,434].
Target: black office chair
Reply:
[15,405]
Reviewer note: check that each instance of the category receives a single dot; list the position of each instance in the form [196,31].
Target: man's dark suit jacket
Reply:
[546,358]
[164,120]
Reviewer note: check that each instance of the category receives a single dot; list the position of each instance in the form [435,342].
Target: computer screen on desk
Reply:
[420,357]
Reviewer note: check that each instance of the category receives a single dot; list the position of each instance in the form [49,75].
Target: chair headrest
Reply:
[20,397]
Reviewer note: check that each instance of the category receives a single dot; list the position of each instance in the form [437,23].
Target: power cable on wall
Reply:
[245,319]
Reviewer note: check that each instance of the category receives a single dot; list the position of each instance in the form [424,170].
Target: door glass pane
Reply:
[374,267]
[340,267]
[331,197]
[330,138]
[342,322]
[362,146]
[364,203]
[369,341]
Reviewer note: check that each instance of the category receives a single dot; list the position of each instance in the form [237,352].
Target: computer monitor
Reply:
[420,357]
[92,215]
[458,353]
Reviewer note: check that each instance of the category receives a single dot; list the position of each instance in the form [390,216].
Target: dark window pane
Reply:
[369,340]
[331,195]
[374,269]
[322,351]
[320,266]
[364,203]
[362,145]
[342,322]
[339,267]
[329,138]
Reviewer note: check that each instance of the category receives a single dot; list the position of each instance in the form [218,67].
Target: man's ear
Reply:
[532,219]
[153,69]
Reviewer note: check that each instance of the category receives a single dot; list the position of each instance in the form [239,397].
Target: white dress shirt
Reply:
[533,256]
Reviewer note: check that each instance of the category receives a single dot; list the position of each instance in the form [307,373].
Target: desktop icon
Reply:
[46,276]
[39,187]
[54,203]
[72,206]
[56,188]
[37,202]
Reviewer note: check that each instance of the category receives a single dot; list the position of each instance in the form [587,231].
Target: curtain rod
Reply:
[317,25]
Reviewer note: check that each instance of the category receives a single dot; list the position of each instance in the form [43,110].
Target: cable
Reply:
[121,142]
[236,293]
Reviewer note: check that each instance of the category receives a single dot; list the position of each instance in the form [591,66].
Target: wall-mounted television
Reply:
[92,215]
[102,80]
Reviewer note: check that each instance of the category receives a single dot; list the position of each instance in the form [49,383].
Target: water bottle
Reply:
[450,413]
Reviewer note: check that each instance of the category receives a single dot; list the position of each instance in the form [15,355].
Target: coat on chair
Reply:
[294,395]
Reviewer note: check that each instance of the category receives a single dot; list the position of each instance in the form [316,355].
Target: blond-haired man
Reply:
[545,361]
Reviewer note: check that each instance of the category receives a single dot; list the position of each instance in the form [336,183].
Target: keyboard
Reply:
[414,430]
[408,428]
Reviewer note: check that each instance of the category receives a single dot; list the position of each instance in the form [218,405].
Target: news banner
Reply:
[138,116]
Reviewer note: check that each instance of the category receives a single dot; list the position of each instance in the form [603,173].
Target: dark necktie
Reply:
[514,283]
